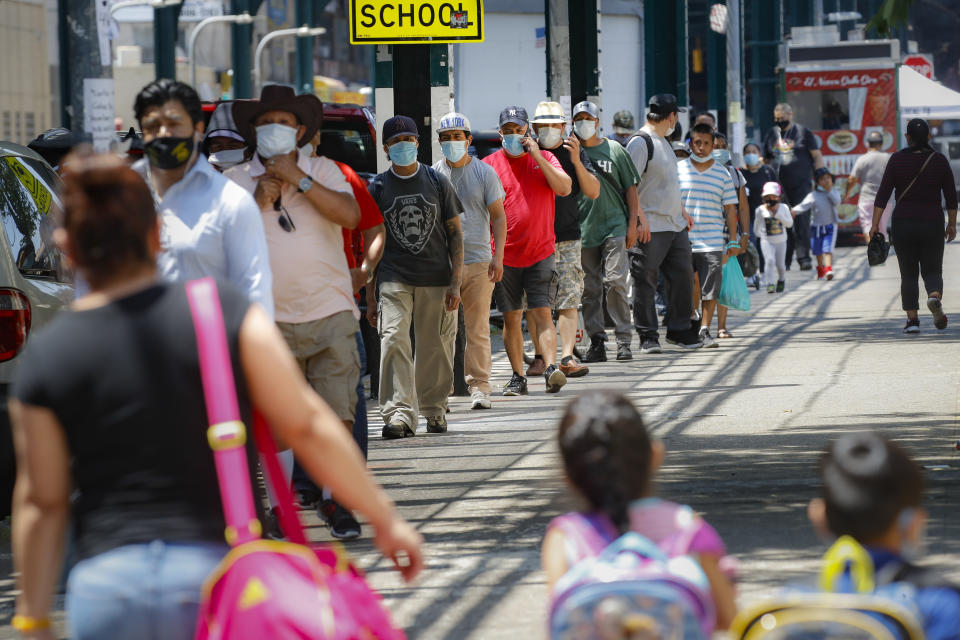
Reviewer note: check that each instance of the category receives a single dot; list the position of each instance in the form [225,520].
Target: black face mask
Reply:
[771,203]
[169,153]
[783,124]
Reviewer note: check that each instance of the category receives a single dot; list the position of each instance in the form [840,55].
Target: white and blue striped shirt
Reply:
[704,194]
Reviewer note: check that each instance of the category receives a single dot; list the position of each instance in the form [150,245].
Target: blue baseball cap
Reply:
[399,126]
[516,115]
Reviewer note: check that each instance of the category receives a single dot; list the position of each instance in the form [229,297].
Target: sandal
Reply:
[723,333]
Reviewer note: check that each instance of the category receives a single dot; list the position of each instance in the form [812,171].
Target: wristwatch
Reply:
[305,183]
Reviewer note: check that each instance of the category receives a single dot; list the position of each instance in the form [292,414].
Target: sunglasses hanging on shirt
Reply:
[284,219]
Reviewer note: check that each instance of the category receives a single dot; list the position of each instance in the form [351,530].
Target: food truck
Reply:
[842,91]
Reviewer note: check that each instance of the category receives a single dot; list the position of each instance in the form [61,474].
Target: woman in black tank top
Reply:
[110,425]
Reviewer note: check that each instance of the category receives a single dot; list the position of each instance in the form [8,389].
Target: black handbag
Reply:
[749,261]
[877,250]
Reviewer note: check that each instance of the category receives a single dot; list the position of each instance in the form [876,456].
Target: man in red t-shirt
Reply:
[531,179]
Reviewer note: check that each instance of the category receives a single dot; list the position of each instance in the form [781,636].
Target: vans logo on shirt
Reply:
[411,219]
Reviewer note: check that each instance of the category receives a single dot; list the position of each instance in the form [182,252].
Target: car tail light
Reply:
[14,323]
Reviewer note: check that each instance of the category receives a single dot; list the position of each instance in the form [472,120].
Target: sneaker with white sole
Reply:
[479,400]
[554,378]
[939,317]
[707,339]
[913,326]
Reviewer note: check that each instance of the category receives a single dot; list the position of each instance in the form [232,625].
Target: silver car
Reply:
[34,280]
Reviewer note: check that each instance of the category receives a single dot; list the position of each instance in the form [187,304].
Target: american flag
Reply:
[541,33]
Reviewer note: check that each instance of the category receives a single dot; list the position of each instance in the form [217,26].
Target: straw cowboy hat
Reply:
[307,108]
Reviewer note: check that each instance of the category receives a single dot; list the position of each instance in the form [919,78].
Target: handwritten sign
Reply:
[98,111]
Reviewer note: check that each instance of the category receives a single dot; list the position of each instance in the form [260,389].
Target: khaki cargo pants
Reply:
[413,384]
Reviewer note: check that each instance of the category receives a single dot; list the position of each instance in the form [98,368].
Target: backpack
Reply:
[853,602]
[631,586]
[650,148]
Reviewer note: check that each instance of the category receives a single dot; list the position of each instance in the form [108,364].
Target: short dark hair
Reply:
[867,482]
[607,453]
[162,91]
[703,128]
[657,117]
[719,136]
[751,144]
[709,115]
[108,213]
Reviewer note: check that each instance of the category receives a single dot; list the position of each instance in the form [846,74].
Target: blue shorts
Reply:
[823,238]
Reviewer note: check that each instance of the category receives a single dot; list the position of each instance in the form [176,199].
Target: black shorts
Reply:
[709,266]
[538,281]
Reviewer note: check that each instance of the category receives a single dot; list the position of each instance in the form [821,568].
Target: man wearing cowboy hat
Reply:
[305,203]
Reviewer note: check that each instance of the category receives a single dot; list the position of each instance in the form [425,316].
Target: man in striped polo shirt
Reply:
[708,195]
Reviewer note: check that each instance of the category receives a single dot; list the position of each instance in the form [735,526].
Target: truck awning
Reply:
[924,98]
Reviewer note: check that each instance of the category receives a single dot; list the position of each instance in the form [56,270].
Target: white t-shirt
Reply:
[772,225]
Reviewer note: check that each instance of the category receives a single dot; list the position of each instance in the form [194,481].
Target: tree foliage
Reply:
[892,13]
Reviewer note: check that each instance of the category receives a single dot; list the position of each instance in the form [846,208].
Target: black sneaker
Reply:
[343,526]
[913,326]
[623,352]
[806,266]
[688,339]
[396,430]
[272,526]
[437,424]
[596,353]
[307,498]
[516,387]
[780,286]
[554,378]
[650,346]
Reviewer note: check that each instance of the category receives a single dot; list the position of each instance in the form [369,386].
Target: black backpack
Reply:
[650,148]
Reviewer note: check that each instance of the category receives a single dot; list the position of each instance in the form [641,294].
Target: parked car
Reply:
[34,281]
[350,136]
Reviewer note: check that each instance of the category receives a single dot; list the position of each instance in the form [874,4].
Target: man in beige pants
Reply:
[479,189]
[418,280]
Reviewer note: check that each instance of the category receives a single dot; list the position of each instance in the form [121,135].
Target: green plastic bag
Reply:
[733,288]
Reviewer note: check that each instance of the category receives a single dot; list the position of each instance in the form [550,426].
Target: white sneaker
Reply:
[479,400]
[707,339]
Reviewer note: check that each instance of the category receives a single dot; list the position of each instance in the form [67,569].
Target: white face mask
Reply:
[308,149]
[585,129]
[700,159]
[275,140]
[226,158]
[550,137]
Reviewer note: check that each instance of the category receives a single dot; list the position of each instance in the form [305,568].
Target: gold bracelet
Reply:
[26,624]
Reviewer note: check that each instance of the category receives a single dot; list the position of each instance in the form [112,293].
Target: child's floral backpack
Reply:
[628,587]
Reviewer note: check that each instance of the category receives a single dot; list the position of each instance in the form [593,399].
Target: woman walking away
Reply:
[111,430]
[917,176]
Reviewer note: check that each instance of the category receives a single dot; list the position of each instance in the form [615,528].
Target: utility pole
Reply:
[735,116]
[307,13]
[86,76]
[665,49]
[557,21]
[165,21]
[241,38]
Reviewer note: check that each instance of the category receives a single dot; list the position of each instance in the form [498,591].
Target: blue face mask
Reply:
[752,159]
[721,155]
[454,150]
[513,143]
[701,159]
[403,154]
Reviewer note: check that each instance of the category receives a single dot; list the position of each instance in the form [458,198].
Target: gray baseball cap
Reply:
[588,108]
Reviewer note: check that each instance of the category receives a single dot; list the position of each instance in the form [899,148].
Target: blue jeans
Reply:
[144,591]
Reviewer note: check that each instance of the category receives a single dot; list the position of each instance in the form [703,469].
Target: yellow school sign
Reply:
[411,21]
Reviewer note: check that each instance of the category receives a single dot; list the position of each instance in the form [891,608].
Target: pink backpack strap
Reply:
[227,434]
[587,535]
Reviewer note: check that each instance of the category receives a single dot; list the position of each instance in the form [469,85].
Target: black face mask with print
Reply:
[169,153]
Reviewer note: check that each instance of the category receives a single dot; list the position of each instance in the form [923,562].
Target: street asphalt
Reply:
[743,424]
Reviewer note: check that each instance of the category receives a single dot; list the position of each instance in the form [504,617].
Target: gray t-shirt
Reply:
[415,211]
[659,189]
[868,169]
[478,186]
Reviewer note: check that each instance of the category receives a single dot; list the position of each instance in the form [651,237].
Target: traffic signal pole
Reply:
[666,48]
[241,38]
[165,21]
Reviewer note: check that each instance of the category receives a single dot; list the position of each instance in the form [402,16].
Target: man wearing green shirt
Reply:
[609,225]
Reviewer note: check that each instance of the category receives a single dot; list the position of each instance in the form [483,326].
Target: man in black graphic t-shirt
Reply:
[418,280]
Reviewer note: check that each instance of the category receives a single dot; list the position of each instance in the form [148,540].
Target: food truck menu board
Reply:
[842,107]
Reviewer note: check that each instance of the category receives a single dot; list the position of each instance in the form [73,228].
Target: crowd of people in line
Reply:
[553,222]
